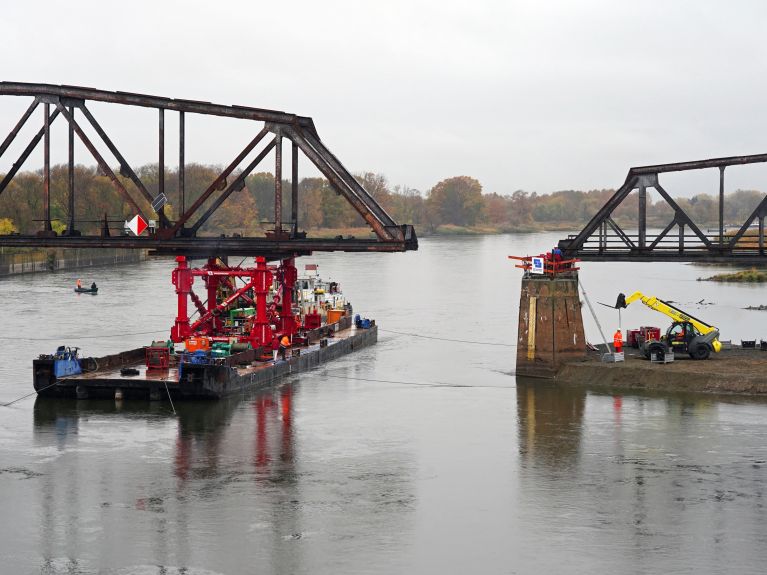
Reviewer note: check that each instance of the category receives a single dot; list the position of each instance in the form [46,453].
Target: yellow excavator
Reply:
[687,334]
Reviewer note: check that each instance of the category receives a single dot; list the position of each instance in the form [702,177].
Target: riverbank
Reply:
[734,371]
[744,276]
[24,261]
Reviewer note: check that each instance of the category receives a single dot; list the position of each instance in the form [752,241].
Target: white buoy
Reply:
[118,394]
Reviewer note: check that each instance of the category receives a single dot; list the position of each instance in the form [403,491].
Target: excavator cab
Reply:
[682,337]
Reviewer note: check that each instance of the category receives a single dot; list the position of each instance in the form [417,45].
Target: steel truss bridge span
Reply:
[180,237]
[602,239]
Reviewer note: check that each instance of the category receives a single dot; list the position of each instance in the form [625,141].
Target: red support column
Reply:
[261,336]
[211,283]
[182,278]
[288,277]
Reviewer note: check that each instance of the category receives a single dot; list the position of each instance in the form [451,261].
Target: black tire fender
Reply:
[701,351]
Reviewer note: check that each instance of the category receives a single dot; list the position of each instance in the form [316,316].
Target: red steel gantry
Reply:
[258,281]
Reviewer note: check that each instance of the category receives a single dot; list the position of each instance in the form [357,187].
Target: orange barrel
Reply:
[197,343]
[335,314]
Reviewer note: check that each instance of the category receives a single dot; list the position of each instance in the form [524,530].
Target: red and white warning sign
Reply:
[137,225]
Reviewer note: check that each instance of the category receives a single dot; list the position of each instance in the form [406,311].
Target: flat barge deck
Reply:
[207,381]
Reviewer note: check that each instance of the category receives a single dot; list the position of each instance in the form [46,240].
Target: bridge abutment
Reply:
[550,329]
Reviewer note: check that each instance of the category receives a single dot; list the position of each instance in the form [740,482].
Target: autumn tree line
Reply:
[454,205]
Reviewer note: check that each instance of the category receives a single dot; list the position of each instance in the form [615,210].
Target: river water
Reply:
[421,454]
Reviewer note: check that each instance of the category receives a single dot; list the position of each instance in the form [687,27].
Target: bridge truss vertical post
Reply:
[721,206]
[642,214]
[161,154]
[602,237]
[294,188]
[47,170]
[278,184]
[681,237]
[71,173]
[181,167]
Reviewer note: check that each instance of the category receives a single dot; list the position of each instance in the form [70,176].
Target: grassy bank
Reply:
[745,276]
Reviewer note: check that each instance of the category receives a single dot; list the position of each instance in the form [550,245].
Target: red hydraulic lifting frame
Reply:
[258,279]
[551,267]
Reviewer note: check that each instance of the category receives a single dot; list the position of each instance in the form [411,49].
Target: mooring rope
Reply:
[27,395]
[448,339]
[169,398]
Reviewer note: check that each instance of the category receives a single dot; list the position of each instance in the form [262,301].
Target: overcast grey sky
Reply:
[518,94]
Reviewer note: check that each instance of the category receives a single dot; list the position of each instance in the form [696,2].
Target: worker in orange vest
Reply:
[284,345]
[79,284]
[618,341]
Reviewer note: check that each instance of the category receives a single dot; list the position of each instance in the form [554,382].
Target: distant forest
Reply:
[454,205]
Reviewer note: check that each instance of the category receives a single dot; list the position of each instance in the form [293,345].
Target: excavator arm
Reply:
[673,312]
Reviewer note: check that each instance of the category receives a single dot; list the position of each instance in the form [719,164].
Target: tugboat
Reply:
[314,295]
[249,314]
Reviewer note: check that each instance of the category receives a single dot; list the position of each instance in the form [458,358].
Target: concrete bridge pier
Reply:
[550,324]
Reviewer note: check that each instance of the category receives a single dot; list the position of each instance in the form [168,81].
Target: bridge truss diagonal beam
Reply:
[17,128]
[236,185]
[27,151]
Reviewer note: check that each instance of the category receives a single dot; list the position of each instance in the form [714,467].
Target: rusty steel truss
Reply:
[180,237]
[602,239]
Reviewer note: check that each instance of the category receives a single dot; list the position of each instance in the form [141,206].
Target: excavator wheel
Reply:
[700,352]
[655,348]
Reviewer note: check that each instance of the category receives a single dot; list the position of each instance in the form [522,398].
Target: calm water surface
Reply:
[418,455]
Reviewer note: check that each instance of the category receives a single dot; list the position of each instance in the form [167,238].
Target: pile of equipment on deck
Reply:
[245,322]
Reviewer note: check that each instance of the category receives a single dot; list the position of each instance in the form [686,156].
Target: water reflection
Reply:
[624,474]
[108,481]
[550,421]
[123,482]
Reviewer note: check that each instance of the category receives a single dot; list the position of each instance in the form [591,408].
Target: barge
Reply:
[218,377]
[270,325]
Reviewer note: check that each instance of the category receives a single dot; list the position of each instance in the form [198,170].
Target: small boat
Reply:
[93,291]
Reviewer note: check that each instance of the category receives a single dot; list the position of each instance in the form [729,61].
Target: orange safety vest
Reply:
[618,339]
[285,342]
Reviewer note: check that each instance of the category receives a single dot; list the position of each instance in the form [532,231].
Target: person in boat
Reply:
[79,283]
[94,287]
[284,346]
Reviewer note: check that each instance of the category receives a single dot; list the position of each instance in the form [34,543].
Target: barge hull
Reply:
[197,381]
